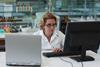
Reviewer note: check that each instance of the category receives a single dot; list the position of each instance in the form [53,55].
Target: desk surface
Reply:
[57,62]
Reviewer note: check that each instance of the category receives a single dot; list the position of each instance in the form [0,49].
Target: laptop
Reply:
[23,49]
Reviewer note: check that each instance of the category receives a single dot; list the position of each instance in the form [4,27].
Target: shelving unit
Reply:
[15,26]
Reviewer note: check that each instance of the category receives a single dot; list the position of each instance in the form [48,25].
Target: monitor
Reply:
[80,37]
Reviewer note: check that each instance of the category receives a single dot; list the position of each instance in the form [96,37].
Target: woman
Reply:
[51,38]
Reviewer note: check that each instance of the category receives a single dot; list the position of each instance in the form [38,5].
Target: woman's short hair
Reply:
[45,17]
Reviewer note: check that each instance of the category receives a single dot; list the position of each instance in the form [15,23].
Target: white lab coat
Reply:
[57,40]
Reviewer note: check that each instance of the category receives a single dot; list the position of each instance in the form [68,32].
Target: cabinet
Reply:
[2,44]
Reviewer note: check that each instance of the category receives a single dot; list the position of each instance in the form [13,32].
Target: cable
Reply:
[82,63]
[66,61]
[70,62]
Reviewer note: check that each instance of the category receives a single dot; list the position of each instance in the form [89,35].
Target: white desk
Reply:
[57,62]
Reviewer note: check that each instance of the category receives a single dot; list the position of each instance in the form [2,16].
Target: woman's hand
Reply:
[57,50]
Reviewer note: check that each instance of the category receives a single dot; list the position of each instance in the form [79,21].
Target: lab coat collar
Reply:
[43,36]
[54,36]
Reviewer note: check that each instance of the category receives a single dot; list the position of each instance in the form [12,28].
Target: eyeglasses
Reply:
[49,25]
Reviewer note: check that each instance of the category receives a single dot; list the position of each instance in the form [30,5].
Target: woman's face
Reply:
[49,26]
